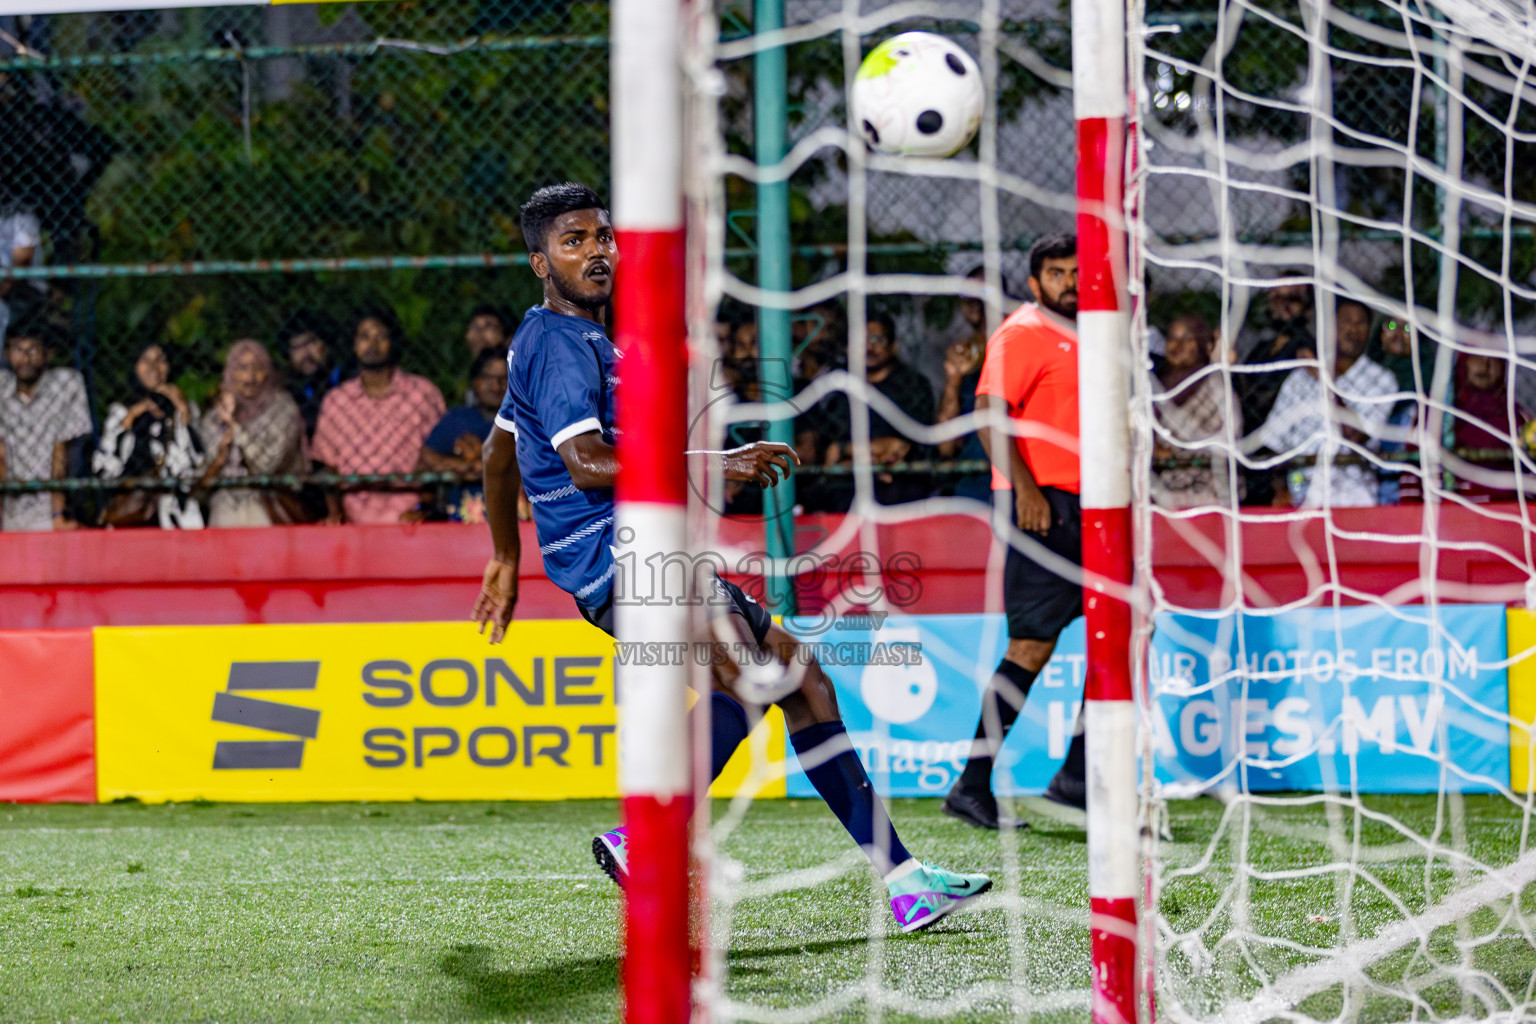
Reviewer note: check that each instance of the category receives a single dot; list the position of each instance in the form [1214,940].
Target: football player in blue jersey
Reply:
[554,435]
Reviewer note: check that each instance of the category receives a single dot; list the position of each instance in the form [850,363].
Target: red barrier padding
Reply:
[47,717]
[424,573]
[431,572]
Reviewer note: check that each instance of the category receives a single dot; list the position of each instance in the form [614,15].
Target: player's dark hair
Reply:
[383,315]
[307,321]
[539,212]
[1056,246]
[493,310]
[887,324]
[486,356]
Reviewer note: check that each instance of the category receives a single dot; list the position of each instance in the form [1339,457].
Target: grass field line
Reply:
[117,830]
[1349,962]
[960,1001]
[592,878]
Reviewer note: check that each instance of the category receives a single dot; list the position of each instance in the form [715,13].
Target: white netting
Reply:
[1381,154]
[887,228]
[1373,151]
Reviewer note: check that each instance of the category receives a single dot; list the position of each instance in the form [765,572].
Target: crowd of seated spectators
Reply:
[1268,418]
[1271,417]
[339,403]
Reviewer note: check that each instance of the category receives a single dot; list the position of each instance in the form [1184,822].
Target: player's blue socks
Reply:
[727,728]
[838,775]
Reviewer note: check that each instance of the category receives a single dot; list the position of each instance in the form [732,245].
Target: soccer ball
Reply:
[918,94]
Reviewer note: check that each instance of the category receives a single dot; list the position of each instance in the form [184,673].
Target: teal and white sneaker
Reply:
[923,893]
[611,851]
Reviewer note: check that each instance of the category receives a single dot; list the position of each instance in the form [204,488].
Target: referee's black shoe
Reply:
[1068,792]
[1065,800]
[976,807]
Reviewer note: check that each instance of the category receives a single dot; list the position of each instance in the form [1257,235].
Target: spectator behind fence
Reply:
[1192,408]
[888,444]
[1405,354]
[1397,347]
[1485,435]
[815,425]
[1298,423]
[968,330]
[309,338]
[42,411]
[152,433]
[454,444]
[1284,329]
[20,246]
[489,327]
[962,371]
[376,422]
[253,429]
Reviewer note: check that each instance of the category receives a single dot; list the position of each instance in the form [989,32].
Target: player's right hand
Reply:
[1031,510]
[498,598]
[761,462]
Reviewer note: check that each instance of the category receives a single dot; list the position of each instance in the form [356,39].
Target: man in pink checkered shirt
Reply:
[376,423]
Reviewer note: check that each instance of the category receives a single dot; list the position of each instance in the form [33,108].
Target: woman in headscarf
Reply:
[150,435]
[1192,410]
[253,429]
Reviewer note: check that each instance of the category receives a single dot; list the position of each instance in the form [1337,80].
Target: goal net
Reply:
[1329,270]
[1343,194]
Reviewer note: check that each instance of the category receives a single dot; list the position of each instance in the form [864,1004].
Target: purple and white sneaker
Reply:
[923,893]
[611,851]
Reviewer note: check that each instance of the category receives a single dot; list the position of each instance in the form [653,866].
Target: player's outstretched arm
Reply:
[593,463]
[503,483]
[761,462]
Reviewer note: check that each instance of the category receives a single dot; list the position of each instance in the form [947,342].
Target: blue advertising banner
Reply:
[1386,700]
[1311,699]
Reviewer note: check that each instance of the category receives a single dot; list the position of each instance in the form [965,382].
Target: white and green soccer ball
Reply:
[918,94]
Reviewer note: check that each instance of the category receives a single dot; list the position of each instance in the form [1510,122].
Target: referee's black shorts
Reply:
[736,602]
[1040,603]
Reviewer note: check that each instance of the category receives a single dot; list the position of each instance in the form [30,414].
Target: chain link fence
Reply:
[198,176]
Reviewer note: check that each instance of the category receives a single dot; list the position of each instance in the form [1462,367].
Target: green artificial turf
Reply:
[480,912]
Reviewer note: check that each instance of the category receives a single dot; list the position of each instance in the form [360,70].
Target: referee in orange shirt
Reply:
[1031,368]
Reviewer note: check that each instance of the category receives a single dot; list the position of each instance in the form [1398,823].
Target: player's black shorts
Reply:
[758,619]
[1040,603]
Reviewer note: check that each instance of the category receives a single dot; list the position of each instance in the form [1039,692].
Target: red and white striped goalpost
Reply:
[1104,371]
[651,491]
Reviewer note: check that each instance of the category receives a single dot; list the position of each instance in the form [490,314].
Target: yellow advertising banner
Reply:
[424,711]
[1522,697]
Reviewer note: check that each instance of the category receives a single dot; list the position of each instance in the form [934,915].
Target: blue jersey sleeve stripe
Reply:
[564,434]
[505,423]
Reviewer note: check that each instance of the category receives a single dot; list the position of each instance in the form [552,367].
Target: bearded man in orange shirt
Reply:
[1031,370]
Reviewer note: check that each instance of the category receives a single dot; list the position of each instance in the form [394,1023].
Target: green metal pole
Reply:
[771,135]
